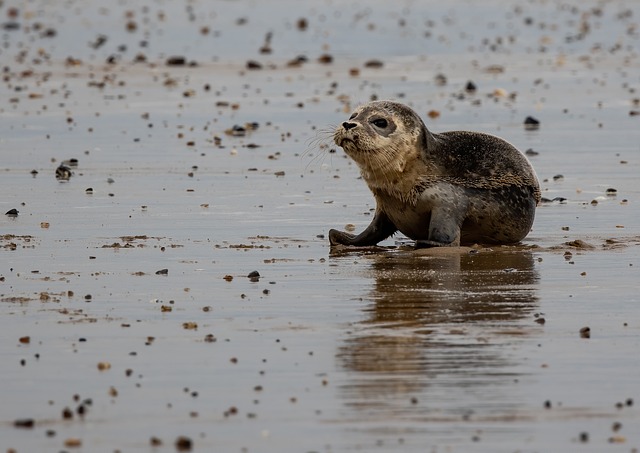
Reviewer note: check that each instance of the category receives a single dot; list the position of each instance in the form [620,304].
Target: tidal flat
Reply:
[166,280]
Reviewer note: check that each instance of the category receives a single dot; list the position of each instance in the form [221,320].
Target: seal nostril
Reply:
[348,126]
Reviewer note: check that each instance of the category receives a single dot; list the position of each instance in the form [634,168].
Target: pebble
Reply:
[27,423]
[531,123]
[176,61]
[253,65]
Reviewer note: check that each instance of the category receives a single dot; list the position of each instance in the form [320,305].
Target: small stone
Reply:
[176,61]
[26,423]
[12,212]
[585,332]
[67,414]
[302,24]
[531,123]
[325,59]
[376,64]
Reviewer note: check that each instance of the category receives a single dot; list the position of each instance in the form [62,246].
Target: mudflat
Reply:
[166,280]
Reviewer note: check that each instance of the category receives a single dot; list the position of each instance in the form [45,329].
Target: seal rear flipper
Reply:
[378,230]
[444,229]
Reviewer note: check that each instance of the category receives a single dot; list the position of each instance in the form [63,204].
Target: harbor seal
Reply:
[443,189]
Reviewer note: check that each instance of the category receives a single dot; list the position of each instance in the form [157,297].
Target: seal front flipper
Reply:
[379,229]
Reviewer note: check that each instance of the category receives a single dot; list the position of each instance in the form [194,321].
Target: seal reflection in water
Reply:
[441,189]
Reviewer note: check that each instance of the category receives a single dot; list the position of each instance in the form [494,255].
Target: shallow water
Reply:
[381,349]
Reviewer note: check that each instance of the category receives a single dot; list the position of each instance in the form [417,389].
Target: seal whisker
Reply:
[322,141]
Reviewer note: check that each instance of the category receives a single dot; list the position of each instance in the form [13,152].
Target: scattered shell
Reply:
[73,442]
[494,69]
[104,366]
[63,173]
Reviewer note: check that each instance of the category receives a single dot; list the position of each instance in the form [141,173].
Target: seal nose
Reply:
[348,126]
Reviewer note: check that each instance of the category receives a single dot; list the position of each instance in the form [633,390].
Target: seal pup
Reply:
[443,189]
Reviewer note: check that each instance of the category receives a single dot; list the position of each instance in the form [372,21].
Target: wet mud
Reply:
[169,181]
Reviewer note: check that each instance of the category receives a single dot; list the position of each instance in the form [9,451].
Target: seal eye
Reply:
[380,122]
[353,116]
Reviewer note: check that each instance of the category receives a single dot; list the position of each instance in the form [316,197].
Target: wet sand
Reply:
[129,319]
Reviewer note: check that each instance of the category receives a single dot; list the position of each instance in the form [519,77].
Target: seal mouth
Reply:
[348,140]
[344,140]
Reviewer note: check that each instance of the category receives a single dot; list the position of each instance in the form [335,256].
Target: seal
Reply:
[439,189]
